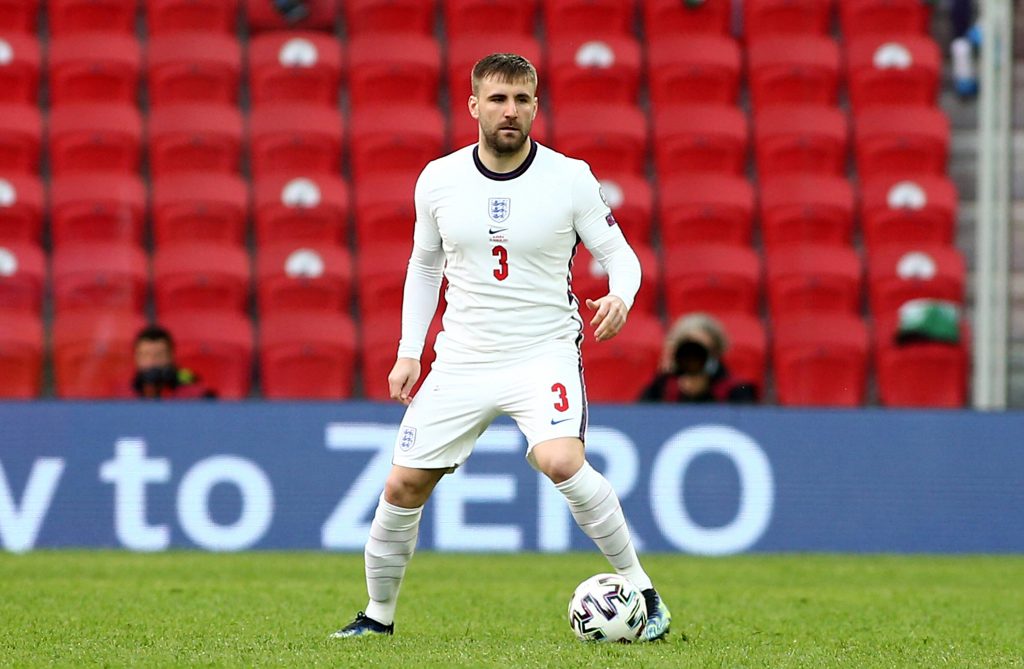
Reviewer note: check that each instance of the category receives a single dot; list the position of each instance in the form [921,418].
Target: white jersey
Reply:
[506,242]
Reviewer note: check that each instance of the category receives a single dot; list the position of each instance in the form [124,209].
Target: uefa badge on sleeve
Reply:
[407,438]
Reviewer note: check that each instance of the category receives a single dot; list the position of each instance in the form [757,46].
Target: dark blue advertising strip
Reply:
[713,481]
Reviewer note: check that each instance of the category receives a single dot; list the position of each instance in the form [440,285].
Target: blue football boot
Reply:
[659,618]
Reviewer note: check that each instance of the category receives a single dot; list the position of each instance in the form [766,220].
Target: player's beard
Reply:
[506,144]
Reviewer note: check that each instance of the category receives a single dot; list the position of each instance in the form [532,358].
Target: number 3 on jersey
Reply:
[501,253]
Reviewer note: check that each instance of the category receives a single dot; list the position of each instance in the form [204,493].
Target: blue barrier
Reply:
[716,480]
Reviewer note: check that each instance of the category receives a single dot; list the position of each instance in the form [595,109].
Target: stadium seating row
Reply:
[698,277]
[309,66]
[816,360]
[461,16]
[690,208]
[295,137]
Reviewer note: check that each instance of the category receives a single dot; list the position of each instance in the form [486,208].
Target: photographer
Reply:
[156,374]
[691,368]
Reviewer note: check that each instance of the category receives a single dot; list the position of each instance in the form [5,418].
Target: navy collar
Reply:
[505,176]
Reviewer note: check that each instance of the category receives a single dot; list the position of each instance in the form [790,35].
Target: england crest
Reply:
[498,208]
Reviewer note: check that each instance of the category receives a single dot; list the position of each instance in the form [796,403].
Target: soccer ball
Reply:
[607,607]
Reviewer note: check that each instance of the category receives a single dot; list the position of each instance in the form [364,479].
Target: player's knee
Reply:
[561,464]
[405,491]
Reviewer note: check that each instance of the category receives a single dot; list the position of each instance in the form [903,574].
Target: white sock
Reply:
[595,506]
[388,550]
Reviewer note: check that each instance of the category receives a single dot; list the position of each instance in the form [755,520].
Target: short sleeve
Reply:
[426,235]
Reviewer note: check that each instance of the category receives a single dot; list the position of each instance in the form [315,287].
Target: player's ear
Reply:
[474,106]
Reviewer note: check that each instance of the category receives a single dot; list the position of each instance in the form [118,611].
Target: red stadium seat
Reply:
[19,75]
[386,68]
[379,335]
[171,16]
[610,137]
[92,353]
[384,208]
[672,17]
[901,140]
[700,138]
[22,278]
[94,67]
[389,138]
[918,209]
[77,16]
[801,208]
[21,356]
[631,200]
[93,275]
[193,67]
[95,137]
[806,139]
[590,280]
[594,67]
[897,274]
[200,206]
[21,130]
[293,66]
[921,374]
[307,356]
[596,17]
[463,51]
[217,345]
[21,207]
[859,17]
[18,15]
[465,129]
[763,18]
[97,206]
[820,360]
[195,137]
[295,138]
[746,353]
[813,278]
[715,278]
[700,208]
[308,208]
[291,276]
[637,348]
[380,276]
[364,17]
[793,69]
[693,68]
[892,70]
[261,15]
[201,276]
[463,17]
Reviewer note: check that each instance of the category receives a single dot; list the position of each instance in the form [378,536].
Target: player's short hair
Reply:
[505,67]
[155,333]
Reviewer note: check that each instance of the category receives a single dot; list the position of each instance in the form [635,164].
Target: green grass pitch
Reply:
[85,609]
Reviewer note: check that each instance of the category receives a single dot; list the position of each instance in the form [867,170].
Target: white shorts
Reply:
[542,391]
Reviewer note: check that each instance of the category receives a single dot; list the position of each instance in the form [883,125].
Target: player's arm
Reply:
[604,239]
[419,299]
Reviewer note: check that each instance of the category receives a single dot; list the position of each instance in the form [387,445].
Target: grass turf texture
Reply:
[174,609]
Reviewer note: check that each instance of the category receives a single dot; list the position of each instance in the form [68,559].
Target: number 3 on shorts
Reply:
[563,399]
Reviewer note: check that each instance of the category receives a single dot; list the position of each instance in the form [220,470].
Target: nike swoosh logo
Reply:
[556,422]
[495,231]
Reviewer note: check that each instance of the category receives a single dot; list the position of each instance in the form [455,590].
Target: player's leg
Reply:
[596,509]
[548,402]
[436,436]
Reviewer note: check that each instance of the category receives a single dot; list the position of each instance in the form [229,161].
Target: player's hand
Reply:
[610,316]
[402,378]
